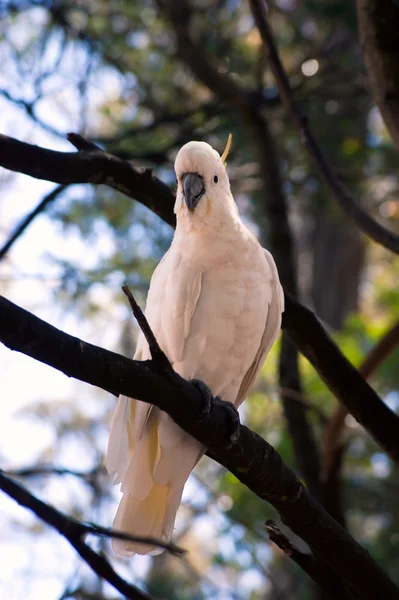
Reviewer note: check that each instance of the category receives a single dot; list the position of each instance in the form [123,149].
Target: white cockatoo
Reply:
[214,305]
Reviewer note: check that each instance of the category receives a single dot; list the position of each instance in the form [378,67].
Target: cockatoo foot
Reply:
[233,429]
[208,401]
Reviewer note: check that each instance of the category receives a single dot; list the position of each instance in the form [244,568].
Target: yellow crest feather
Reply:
[227,149]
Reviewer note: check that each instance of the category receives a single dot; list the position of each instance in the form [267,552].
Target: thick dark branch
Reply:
[341,377]
[250,458]
[74,532]
[325,578]
[90,165]
[41,207]
[332,432]
[377,232]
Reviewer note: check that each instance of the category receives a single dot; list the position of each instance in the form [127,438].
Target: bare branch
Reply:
[250,458]
[333,429]
[74,531]
[325,578]
[38,470]
[341,377]
[89,166]
[157,354]
[40,208]
[367,224]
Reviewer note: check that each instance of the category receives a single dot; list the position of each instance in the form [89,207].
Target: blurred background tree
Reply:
[115,72]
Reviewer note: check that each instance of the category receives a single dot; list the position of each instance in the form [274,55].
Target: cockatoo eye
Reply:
[216,179]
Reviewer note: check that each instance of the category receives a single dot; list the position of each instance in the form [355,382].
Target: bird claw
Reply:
[233,431]
[208,401]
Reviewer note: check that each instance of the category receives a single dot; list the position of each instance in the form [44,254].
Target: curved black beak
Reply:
[193,189]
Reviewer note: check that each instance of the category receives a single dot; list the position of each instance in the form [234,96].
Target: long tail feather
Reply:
[147,518]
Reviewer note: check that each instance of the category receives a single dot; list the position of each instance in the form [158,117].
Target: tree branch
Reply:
[43,469]
[333,429]
[157,354]
[367,224]
[90,165]
[74,531]
[250,458]
[41,207]
[341,377]
[325,578]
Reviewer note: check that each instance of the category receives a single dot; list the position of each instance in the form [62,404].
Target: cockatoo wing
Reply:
[171,303]
[273,309]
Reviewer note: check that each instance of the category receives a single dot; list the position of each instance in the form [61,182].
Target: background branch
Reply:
[73,531]
[333,429]
[40,208]
[250,458]
[341,377]
[367,224]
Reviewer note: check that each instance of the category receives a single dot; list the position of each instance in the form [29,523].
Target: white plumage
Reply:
[214,305]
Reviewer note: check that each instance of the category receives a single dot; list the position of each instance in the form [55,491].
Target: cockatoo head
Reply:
[203,192]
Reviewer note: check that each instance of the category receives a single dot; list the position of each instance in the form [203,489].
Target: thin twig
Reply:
[367,224]
[73,531]
[26,221]
[80,143]
[100,531]
[157,354]
[39,470]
